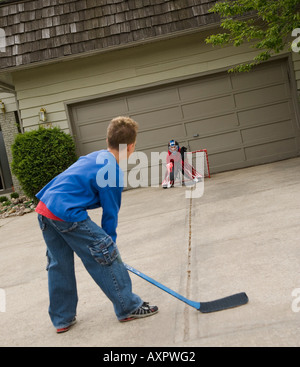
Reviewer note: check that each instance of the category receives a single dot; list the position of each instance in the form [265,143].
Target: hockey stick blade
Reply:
[235,300]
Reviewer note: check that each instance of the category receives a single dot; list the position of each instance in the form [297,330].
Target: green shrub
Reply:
[39,156]
[2,199]
[14,195]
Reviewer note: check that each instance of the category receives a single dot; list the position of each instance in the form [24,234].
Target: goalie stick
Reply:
[234,300]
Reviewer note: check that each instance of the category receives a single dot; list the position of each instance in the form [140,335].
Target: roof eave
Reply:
[149,40]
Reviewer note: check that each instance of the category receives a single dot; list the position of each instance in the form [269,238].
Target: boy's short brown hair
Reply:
[121,130]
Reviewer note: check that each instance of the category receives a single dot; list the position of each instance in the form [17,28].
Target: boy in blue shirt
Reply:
[94,181]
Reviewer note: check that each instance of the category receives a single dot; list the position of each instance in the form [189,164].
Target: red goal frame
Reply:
[206,162]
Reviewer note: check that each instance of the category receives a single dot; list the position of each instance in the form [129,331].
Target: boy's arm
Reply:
[110,199]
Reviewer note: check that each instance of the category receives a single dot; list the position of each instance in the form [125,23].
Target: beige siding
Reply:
[296,62]
[9,101]
[50,86]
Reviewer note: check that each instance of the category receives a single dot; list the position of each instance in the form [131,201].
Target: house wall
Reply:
[9,131]
[9,101]
[8,124]
[296,63]
[50,86]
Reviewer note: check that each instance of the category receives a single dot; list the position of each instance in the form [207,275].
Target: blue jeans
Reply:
[100,257]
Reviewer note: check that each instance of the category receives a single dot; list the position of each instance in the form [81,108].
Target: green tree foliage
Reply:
[266,23]
[39,156]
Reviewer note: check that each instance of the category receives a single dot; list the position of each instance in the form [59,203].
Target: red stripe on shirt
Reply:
[43,210]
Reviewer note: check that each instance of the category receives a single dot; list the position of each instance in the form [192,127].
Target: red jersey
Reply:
[174,157]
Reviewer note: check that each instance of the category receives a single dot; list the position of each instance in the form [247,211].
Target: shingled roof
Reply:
[45,30]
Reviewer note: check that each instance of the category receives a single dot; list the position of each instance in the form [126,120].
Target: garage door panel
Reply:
[98,110]
[159,136]
[88,147]
[212,125]
[153,99]
[277,148]
[157,118]
[208,107]
[217,142]
[94,130]
[279,130]
[162,148]
[225,159]
[258,77]
[262,115]
[204,89]
[261,96]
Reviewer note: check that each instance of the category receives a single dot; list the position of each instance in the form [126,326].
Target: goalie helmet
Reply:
[173,146]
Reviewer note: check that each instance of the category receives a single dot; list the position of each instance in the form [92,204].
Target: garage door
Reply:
[241,119]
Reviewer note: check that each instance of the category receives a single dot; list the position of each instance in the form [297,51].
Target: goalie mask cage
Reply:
[199,160]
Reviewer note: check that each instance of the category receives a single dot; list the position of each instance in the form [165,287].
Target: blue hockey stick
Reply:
[235,300]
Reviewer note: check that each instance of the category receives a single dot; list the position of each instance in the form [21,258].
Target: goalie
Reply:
[176,162]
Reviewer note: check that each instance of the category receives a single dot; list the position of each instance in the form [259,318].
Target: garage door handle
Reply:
[195,135]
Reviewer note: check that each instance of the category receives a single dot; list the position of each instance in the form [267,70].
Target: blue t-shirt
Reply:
[94,181]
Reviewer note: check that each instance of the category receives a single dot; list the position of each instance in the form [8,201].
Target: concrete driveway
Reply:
[243,234]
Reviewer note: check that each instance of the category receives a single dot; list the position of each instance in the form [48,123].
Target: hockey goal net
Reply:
[199,160]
